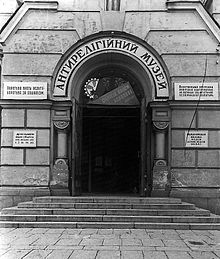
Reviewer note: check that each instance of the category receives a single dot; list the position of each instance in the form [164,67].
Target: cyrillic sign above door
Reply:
[112,44]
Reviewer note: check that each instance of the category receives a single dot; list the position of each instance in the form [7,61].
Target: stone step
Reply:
[106,199]
[134,212]
[109,218]
[110,225]
[108,212]
[183,206]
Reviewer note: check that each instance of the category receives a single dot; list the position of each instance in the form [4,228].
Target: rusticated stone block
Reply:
[37,156]
[12,118]
[41,41]
[209,158]
[112,20]
[212,193]
[38,118]
[214,139]
[183,158]
[209,119]
[216,6]
[178,138]
[195,177]
[182,118]
[43,138]
[159,21]
[11,156]
[191,65]
[6,137]
[181,41]
[24,175]
[64,21]
[32,64]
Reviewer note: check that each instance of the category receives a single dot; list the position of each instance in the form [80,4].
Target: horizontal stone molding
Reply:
[196,193]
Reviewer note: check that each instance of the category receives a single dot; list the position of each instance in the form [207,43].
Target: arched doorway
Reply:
[109,127]
[111,79]
[111,132]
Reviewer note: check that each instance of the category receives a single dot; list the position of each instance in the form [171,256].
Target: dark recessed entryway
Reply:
[110,150]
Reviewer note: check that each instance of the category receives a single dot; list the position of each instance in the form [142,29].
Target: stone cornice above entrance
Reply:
[184,5]
[19,14]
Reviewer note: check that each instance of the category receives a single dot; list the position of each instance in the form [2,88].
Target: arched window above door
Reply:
[111,87]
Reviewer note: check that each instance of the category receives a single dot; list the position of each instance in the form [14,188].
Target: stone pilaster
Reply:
[160,168]
[60,170]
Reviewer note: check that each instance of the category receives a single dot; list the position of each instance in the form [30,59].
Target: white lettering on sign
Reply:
[24,138]
[196,138]
[105,44]
[122,95]
[25,90]
[196,91]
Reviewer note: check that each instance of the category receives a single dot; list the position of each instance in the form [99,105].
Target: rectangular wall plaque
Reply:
[24,138]
[24,90]
[196,138]
[196,91]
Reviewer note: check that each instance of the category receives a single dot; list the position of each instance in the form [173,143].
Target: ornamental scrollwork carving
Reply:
[160,162]
[61,124]
[161,125]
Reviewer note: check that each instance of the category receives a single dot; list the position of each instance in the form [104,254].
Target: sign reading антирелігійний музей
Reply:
[145,56]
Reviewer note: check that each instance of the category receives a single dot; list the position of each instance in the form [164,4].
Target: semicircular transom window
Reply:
[110,90]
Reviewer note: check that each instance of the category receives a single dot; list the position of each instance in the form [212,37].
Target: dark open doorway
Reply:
[110,150]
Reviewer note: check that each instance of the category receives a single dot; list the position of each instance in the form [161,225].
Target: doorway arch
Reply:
[130,59]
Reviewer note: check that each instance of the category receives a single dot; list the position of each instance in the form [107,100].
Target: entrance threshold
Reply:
[110,195]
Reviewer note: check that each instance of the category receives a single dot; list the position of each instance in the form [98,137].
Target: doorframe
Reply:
[145,152]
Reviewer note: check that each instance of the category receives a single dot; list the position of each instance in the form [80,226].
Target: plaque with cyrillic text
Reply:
[196,91]
[196,138]
[24,90]
[24,138]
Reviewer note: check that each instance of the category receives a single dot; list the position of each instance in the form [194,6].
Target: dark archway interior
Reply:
[111,139]
[118,63]
[111,135]
[111,144]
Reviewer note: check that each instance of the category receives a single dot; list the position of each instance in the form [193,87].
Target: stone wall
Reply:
[25,166]
[42,36]
[215,10]
[195,171]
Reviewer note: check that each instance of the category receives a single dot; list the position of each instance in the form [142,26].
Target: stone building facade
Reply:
[110,97]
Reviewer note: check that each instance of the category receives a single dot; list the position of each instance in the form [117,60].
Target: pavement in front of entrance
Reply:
[16,243]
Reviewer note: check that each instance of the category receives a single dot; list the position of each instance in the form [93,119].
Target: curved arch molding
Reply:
[140,51]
